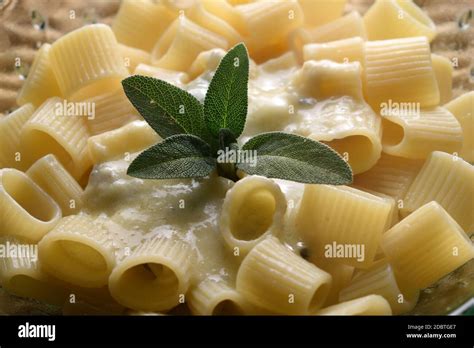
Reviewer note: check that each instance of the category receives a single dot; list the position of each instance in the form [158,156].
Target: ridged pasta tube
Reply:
[78,251]
[448,180]
[65,136]
[253,209]
[368,305]
[55,180]
[181,44]
[87,62]
[417,135]
[41,83]
[426,246]
[11,153]
[391,19]
[154,275]
[26,211]
[463,109]
[273,277]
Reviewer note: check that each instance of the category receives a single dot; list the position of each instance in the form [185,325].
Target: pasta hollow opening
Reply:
[253,216]
[148,281]
[23,192]
[39,144]
[359,149]
[75,262]
[393,133]
[227,307]
[318,298]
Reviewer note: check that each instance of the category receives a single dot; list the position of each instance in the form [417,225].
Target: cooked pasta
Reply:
[22,276]
[416,135]
[181,44]
[368,305]
[41,83]
[11,153]
[78,251]
[111,110]
[132,57]
[340,51]
[252,210]
[349,234]
[448,180]
[27,212]
[121,142]
[351,25]
[139,23]
[463,109]
[443,69]
[400,71]
[274,278]
[212,297]
[319,12]
[391,175]
[55,180]
[426,246]
[95,44]
[106,242]
[153,276]
[63,135]
[380,280]
[391,19]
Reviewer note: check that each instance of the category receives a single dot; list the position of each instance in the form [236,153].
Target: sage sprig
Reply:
[198,138]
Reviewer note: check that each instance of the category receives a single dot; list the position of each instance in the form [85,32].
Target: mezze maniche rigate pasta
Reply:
[367,85]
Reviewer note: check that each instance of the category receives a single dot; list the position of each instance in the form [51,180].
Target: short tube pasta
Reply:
[176,78]
[426,246]
[153,276]
[319,12]
[112,110]
[417,135]
[96,45]
[443,69]
[11,153]
[339,51]
[139,23]
[253,209]
[181,44]
[119,143]
[65,136]
[391,19]
[380,280]
[272,277]
[448,180]
[132,57]
[22,276]
[462,108]
[348,26]
[78,251]
[54,179]
[348,234]
[26,211]
[401,71]
[368,305]
[41,83]
[391,175]
[199,15]
[212,297]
